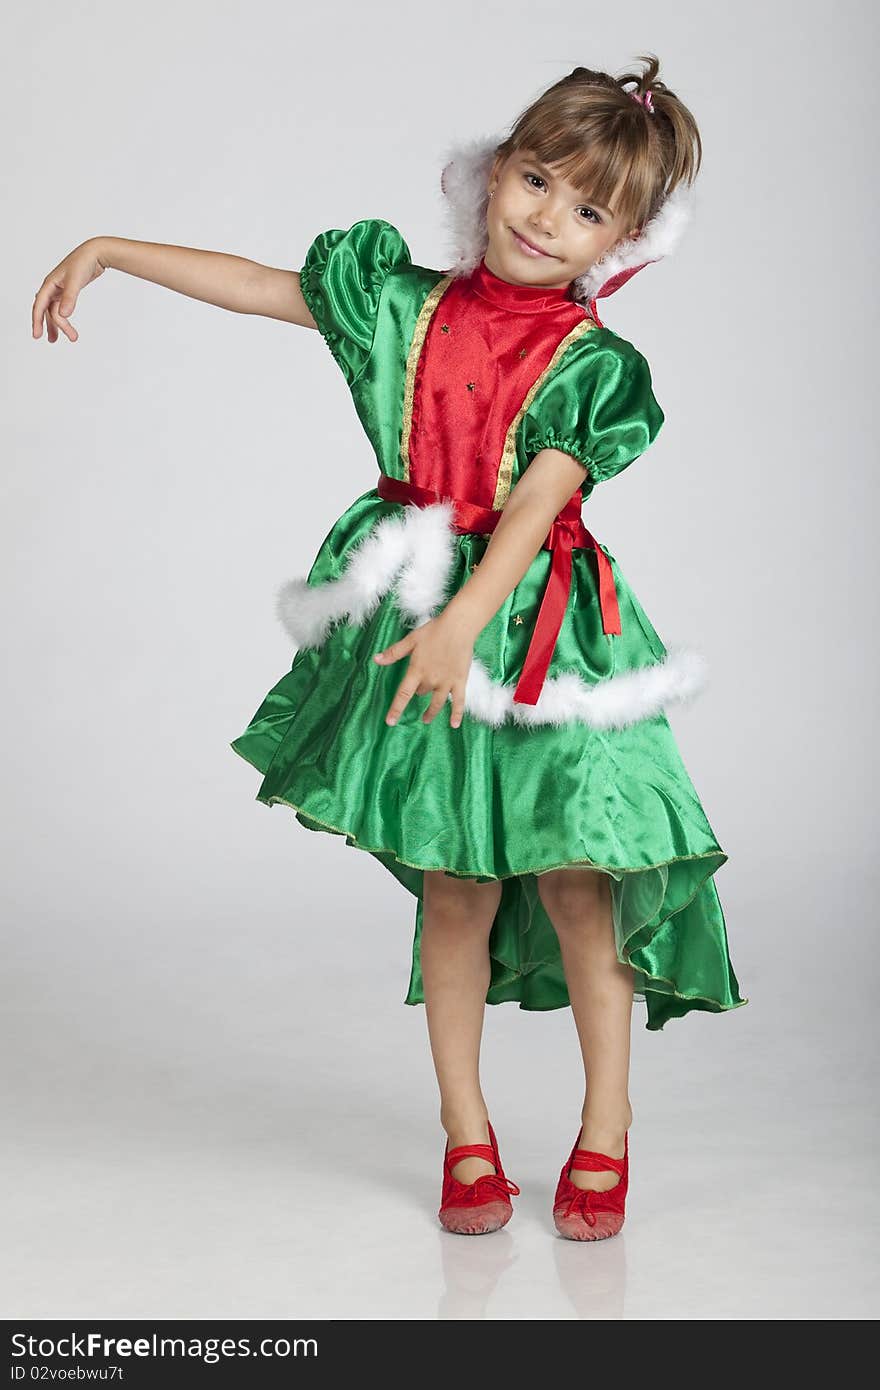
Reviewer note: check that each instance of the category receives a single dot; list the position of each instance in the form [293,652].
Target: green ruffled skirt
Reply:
[507,802]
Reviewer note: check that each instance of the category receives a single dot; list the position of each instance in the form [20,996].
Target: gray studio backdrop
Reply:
[206,1041]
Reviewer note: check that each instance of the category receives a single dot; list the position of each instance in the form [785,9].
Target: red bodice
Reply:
[487,342]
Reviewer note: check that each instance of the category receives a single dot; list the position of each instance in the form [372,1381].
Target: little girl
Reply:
[545,822]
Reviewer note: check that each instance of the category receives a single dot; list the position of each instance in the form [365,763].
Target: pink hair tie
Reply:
[644,100]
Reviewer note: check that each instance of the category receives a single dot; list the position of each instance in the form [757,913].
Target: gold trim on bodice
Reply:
[426,313]
[508,453]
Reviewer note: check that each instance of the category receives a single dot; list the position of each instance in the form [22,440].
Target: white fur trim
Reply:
[463,182]
[414,553]
[659,238]
[414,549]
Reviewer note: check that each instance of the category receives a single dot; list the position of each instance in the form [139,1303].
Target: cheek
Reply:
[502,209]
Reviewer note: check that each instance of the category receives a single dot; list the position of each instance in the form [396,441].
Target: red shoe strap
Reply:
[470,1151]
[588,1160]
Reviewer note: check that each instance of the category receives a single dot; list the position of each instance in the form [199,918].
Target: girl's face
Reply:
[530,201]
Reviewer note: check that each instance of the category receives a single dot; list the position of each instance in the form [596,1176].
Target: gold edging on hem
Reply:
[505,469]
[607,868]
[498,878]
[671,992]
[425,315]
[518,873]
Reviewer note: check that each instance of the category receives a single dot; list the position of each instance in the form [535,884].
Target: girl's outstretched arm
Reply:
[215,277]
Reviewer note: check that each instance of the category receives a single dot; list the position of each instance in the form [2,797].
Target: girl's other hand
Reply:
[440,652]
[55,300]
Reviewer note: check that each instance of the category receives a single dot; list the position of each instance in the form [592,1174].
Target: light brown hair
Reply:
[589,126]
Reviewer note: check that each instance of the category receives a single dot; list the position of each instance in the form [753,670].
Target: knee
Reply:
[460,903]
[574,898]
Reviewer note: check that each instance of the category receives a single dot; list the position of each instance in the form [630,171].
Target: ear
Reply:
[495,171]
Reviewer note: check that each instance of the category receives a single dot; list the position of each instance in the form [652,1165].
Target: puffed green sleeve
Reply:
[341,280]
[599,406]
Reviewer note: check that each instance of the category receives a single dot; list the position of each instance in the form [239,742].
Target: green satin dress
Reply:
[500,801]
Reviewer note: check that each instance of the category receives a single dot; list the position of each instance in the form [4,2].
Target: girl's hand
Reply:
[440,652]
[55,300]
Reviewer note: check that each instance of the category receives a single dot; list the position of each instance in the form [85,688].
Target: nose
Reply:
[543,227]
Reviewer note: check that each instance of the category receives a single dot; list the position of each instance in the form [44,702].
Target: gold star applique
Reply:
[444,328]
[518,620]
[471,385]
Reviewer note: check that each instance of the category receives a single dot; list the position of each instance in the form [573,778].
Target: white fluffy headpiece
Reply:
[464,183]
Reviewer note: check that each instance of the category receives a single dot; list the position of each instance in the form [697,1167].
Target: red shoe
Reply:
[476,1207]
[581,1214]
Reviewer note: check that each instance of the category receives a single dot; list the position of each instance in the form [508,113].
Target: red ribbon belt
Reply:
[567,532]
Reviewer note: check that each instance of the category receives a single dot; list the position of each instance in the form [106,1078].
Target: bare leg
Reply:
[578,902]
[457,918]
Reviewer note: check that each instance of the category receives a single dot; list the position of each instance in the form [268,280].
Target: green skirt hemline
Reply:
[685,1002]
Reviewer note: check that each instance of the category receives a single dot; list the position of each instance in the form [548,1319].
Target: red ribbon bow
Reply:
[566,533]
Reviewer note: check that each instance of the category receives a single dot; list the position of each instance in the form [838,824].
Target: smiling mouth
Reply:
[529,247]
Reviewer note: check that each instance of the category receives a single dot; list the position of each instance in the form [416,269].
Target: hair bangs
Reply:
[608,162]
[614,150]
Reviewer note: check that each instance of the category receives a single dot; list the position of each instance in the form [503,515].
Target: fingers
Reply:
[67,303]
[54,302]
[417,683]
[41,299]
[405,692]
[41,304]
[408,687]
[396,650]
[439,699]
[413,686]
[49,309]
[61,322]
[457,714]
